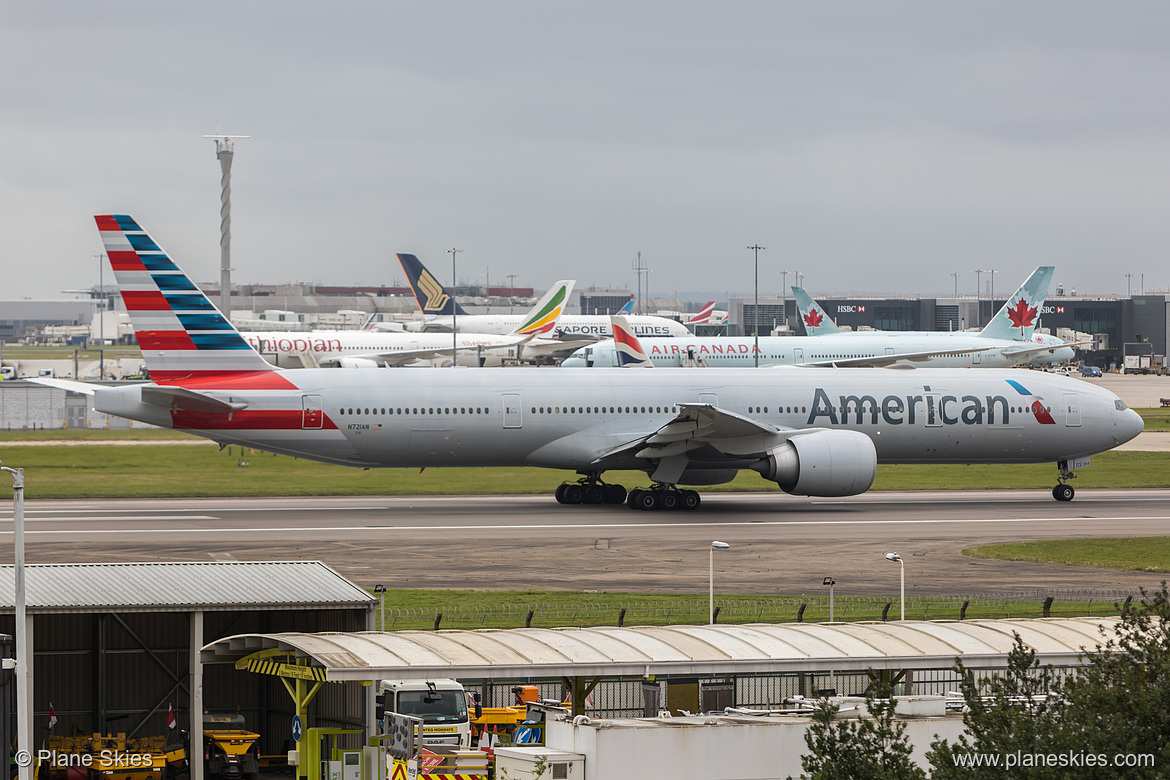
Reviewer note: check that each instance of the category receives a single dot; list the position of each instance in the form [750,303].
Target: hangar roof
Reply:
[720,649]
[179,587]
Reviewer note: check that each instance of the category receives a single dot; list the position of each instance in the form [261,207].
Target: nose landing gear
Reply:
[1064,491]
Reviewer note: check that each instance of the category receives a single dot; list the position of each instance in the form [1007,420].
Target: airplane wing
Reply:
[71,385]
[1022,351]
[701,429]
[881,361]
[399,357]
[160,395]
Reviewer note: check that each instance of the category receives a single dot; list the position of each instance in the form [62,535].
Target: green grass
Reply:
[1157,419]
[1150,553]
[161,470]
[469,609]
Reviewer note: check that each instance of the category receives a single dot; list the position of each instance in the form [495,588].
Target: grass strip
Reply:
[160,470]
[1145,553]
[469,609]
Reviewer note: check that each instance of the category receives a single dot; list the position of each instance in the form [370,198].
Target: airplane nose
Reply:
[1130,426]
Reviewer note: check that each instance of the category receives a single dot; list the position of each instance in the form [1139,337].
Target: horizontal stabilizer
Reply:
[185,400]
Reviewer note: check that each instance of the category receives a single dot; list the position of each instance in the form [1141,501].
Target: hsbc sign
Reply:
[842,309]
[1052,310]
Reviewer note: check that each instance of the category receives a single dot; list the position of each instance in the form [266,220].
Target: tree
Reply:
[1116,708]
[873,748]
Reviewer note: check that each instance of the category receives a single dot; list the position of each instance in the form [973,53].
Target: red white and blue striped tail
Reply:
[704,315]
[629,350]
[180,332]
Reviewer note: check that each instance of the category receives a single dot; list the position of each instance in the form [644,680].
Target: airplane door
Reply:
[312,416]
[933,410]
[513,412]
[797,355]
[976,358]
[709,398]
[1072,414]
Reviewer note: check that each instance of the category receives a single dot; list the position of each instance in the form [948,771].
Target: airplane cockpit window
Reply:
[1119,405]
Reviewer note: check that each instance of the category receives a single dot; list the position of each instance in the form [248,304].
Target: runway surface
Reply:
[779,544]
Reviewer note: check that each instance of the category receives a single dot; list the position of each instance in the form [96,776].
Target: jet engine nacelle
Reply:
[824,463]
[356,363]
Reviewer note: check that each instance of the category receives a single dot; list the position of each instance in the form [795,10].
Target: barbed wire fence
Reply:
[786,609]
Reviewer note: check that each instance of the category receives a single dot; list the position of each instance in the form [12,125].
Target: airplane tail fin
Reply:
[816,321]
[630,353]
[703,317]
[432,297]
[180,332]
[1017,318]
[542,319]
[628,308]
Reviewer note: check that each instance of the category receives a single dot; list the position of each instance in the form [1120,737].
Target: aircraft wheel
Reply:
[560,494]
[615,494]
[1063,492]
[690,499]
[647,499]
[595,494]
[632,498]
[574,494]
[668,499]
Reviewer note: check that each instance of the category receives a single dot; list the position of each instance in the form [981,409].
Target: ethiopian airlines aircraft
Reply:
[440,310]
[811,431]
[372,348]
[1007,341]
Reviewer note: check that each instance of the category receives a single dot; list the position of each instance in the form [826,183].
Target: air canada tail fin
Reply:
[703,316]
[628,349]
[816,322]
[628,308]
[1018,316]
[542,318]
[180,332]
[432,297]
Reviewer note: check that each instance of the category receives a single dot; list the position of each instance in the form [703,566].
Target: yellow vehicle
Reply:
[110,757]
[229,751]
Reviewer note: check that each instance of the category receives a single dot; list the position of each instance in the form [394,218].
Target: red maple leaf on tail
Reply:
[813,318]
[1022,315]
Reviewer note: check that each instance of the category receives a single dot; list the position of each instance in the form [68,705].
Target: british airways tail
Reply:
[1018,317]
[180,332]
[432,297]
[816,322]
[627,348]
[542,319]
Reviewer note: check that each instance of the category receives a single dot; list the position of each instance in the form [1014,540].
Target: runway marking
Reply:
[574,526]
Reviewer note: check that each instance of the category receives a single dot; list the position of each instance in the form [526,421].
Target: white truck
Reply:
[441,703]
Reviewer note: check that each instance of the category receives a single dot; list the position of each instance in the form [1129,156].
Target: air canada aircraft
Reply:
[811,431]
[1008,340]
[373,348]
[438,305]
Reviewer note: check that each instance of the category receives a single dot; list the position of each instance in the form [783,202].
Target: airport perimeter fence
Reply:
[785,609]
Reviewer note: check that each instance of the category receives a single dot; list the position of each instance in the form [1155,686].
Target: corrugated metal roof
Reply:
[158,587]
[790,647]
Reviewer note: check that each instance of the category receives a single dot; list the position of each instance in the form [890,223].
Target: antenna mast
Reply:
[225,150]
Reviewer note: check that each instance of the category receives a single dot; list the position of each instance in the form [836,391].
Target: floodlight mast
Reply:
[225,150]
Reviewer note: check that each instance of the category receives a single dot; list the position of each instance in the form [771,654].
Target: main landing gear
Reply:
[663,497]
[590,490]
[1064,491]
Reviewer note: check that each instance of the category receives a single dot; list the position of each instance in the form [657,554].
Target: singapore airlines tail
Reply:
[627,348]
[180,332]
[816,322]
[1018,317]
[432,297]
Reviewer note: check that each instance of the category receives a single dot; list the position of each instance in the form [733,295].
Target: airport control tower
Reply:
[225,150]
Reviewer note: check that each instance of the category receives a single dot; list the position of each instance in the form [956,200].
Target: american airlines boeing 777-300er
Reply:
[811,431]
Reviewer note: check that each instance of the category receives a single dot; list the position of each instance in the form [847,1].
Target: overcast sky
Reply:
[874,146]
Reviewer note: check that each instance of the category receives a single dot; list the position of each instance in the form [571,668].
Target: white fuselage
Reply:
[352,347]
[570,326]
[567,419]
[739,351]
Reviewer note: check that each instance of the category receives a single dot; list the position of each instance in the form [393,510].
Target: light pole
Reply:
[756,313]
[830,582]
[711,579]
[23,643]
[902,567]
[956,275]
[454,313]
[381,591]
[992,272]
[1129,285]
[511,290]
[784,290]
